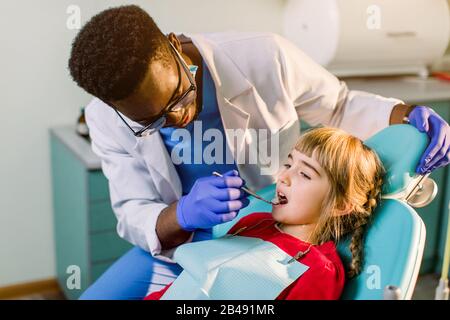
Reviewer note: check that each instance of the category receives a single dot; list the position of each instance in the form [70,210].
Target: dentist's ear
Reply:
[175,42]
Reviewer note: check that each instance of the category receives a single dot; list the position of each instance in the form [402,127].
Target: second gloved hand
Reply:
[437,154]
[211,201]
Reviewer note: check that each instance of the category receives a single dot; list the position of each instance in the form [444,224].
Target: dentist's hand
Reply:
[212,200]
[437,154]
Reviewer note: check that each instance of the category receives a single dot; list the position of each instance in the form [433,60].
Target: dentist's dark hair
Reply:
[111,53]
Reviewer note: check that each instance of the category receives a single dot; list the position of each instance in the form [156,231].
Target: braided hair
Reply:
[357,240]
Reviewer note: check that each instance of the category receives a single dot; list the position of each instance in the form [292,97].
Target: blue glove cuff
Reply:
[180,216]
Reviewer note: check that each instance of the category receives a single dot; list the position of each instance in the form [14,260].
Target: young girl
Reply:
[328,188]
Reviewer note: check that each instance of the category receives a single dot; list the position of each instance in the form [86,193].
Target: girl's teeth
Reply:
[282,198]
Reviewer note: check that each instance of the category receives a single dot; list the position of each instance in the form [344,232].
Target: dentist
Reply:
[149,86]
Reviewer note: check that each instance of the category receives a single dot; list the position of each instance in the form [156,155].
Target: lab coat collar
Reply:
[162,165]
[230,84]
[160,162]
[229,80]
[136,126]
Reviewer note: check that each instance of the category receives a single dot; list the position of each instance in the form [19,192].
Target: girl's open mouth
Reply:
[282,199]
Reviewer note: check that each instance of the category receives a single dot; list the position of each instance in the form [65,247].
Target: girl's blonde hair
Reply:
[356,175]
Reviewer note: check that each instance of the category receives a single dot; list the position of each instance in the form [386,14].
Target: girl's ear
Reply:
[345,209]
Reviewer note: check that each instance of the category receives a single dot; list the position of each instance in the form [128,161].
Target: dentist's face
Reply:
[154,94]
[302,186]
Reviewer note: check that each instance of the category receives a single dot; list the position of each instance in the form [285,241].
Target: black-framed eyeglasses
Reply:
[185,99]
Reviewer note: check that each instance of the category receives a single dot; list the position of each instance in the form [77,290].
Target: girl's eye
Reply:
[287,165]
[305,175]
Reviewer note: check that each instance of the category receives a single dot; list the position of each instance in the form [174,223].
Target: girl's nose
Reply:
[284,179]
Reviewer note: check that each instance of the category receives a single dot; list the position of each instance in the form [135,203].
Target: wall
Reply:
[37,93]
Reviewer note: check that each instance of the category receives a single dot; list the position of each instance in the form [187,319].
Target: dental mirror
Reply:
[426,192]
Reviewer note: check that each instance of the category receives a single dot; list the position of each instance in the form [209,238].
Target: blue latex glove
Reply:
[212,200]
[437,153]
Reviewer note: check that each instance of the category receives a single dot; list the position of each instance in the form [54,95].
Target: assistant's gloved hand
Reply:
[212,200]
[437,154]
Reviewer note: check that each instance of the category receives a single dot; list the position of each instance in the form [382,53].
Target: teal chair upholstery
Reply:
[395,238]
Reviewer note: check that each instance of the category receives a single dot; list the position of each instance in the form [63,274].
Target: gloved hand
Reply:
[437,154]
[212,200]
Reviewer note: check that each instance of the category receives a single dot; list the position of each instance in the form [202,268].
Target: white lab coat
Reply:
[262,81]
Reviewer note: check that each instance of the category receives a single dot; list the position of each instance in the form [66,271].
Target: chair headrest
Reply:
[399,148]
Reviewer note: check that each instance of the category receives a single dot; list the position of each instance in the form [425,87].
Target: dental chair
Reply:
[395,239]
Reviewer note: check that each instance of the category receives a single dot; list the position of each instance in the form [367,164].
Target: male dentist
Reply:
[156,94]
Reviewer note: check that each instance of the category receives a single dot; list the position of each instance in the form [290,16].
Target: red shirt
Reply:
[324,280]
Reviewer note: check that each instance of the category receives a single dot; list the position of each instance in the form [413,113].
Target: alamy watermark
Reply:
[73,21]
[373,281]
[250,146]
[73,281]
[373,21]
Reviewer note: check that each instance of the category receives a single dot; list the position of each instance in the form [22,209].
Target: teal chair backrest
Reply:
[395,238]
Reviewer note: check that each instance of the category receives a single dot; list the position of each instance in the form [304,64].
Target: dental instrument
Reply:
[250,192]
[423,192]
